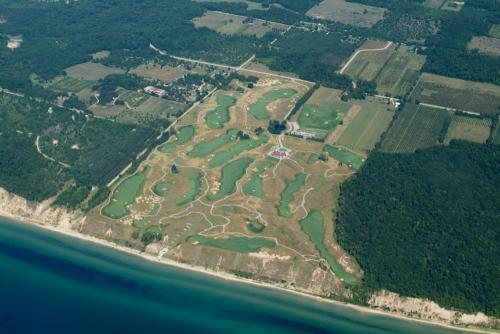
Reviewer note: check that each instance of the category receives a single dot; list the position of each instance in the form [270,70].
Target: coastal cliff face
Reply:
[428,310]
[42,213]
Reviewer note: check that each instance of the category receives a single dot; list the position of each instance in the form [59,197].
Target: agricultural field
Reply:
[230,24]
[468,128]
[486,45]
[223,194]
[251,4]
[72,85]
[350,13]
[415,127]
[369,63]
[401,72]
[457,94]
[364,130]
[91,71]
[495,135]
[166,74]
[453,5]
[436,4]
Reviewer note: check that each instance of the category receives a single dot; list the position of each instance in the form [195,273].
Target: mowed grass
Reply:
[352,160]
[416,127]
[220,115]
[325,118]
[459,94]
[91,71]
[287,195]
[124,195]
[72,85]
[347,13]
[368,64]
[401,72]
[255,186]
[314,226]
[194,179]
[365,130]
[229,24]
[162,188]
[230,174]
[183,136]
[235,244]
[259,108]
[211,145]
[236,149]
[468,128]
[159,106]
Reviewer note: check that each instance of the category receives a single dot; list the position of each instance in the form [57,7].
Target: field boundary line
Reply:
[363,50]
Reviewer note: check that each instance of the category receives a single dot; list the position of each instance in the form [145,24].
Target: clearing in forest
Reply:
[347,13]
[468,128]
[91,71]
[486,45]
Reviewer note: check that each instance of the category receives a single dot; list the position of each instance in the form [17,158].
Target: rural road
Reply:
[362,50]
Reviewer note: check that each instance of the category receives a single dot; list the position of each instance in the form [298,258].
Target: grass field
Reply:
[458,94]
[236,149]
[72,85]
[367,65]
[255,186]
[251,4]
[347,13]
[485,45]
[236,244]
[194,189]
[433,3]
[163,73]
[91,71]
[162,188]
[287,195]
[495,31]
[157,106]
[230,174]
[416,127]
[495,136]
[468,128]
[183,135]
[322,118]
[364,131]
[352,160]
[229,24]
[220,115]
[211,145]
[401,72]
[124,195]
[314,226]
[131,98]
[259,109]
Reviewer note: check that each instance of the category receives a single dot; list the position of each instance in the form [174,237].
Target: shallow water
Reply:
[50,283]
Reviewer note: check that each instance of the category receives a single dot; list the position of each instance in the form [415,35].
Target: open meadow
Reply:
[347,13]
[223,195]
[91,71]
[486,45]
[468,128]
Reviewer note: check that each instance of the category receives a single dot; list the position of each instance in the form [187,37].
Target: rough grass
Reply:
[68,84]
[259,108]
[230,174]
[91,71]
[468,128]
[347,13]
[194,189]
[352,160]
[211,145]
[236,149]
[183,135]
[287,195]
[220,115]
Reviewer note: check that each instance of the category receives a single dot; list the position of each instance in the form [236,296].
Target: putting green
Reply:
[236,149]
[314,226]
[236,244]
[220,115]
[208,146]
[313,158]
[259,108]
[287,194]
[194,189]
[185,134]
[352,160]
[255,226]
[255,186]
[162,188]
[124,195]
[230,174]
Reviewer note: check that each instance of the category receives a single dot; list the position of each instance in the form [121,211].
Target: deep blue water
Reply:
[51,283]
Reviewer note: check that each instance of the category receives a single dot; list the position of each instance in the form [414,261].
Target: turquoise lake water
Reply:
[51,283]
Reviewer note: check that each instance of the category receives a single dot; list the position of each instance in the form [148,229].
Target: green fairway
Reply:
[236,149]
[219,116]
[184,134]
[255,186]
[259,108]
[230,174]
[194,189]
[322,118]
[352,160]
[124,195]
[255,226]
[140,223]
[235,244]
[211,145]
[162,188]
[314,226]
[287,194]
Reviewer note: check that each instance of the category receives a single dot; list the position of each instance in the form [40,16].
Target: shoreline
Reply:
[226,276]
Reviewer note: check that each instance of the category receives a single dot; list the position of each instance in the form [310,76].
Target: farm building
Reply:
[154,90]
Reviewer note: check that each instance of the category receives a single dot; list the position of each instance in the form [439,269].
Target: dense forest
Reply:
[427,224]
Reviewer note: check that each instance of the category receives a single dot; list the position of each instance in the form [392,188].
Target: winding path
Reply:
[362,50]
